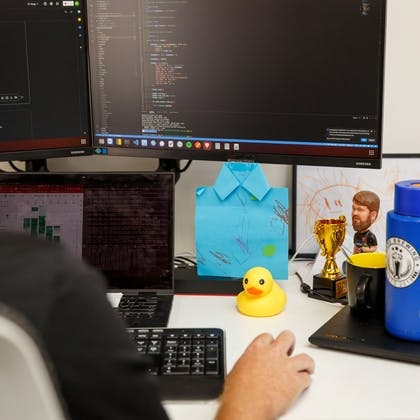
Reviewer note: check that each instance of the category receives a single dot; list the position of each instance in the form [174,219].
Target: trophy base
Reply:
[330,288]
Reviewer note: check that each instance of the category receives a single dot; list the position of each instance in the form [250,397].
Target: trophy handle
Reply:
[319,238]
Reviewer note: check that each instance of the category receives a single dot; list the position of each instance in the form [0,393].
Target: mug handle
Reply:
[361,291]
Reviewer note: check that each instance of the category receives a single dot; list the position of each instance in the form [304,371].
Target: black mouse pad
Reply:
[346,332]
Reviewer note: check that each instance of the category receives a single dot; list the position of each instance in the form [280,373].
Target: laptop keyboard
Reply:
[145,309]
[189,363]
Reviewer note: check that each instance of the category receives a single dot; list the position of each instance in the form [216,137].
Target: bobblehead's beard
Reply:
[360,225]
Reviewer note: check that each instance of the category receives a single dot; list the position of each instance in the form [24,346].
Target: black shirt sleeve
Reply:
[100,374]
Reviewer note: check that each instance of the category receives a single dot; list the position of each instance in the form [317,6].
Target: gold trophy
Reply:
[330,234]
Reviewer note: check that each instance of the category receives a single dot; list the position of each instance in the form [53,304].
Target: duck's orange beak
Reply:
[254,291]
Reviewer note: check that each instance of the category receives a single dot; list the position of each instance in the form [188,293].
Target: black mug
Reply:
[366,283]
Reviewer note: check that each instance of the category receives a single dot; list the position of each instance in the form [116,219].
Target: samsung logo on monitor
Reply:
[363,164]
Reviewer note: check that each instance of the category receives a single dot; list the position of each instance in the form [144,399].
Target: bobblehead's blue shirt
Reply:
[241,222]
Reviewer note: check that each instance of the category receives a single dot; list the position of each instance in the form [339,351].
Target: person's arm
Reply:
[366,248]
[265,380]
[101,374]
[96,366]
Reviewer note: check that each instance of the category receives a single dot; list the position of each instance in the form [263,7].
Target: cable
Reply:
[299,248]
[291,268]
[305,287]
[181,261]
[13,166]
[307,290]
[187,165]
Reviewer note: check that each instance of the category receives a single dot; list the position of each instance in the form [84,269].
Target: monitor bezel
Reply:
[303,156]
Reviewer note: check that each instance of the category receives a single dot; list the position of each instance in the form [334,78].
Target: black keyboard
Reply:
[189,363]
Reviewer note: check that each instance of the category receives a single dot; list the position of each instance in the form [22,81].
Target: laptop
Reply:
[347,332]
[122,223]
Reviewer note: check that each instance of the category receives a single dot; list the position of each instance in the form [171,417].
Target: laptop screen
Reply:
[119,222]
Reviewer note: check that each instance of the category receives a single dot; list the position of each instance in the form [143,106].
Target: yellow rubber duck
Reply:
[261,296]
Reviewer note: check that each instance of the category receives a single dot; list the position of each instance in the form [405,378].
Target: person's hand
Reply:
[265,380]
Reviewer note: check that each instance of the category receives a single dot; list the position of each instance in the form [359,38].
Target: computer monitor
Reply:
[270,81]
[44,95]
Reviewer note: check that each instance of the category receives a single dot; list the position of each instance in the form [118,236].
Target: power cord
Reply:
[15,167]
[307,290]
[181,261]
[305,287]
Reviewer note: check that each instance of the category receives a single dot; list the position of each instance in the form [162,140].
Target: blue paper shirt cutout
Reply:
[241,222]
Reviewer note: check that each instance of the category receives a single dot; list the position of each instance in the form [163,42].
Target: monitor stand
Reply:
[36,165]
[172,165]
[188,282]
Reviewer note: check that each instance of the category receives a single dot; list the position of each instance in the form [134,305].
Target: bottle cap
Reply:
[407,198]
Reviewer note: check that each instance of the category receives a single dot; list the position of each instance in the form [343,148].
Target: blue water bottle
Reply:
[402,286]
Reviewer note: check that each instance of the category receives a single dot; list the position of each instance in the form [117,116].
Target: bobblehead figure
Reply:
[364,212]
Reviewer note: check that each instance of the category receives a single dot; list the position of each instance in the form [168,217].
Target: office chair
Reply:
[27,389]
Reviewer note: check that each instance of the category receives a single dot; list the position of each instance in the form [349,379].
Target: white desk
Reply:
[345,385]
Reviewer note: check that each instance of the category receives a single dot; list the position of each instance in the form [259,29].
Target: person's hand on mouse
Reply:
[266,379]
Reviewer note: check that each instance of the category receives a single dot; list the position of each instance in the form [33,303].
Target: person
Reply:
[97,368]
[364,212]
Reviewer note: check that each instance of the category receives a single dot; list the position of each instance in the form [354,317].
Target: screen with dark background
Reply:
[214,79]
[44,95]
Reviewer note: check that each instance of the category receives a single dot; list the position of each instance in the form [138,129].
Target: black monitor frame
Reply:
[44,86]
[124,82]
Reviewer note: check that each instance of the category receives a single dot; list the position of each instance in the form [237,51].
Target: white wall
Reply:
[400,125]
[402,78]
